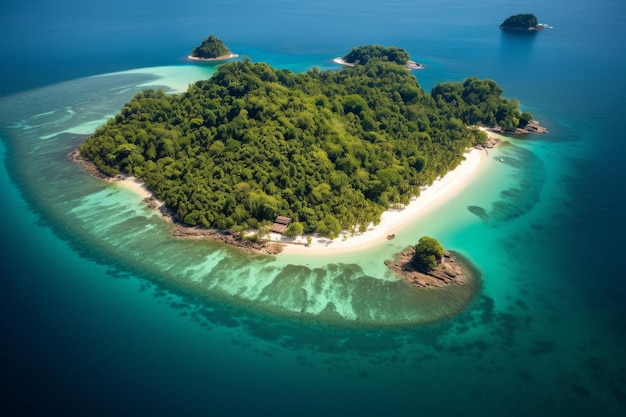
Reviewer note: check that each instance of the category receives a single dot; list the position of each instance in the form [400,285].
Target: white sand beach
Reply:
[341,61]
[411,65]
[393,221]
[219,58]
[135,185]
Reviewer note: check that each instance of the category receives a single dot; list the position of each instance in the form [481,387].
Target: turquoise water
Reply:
[103,312]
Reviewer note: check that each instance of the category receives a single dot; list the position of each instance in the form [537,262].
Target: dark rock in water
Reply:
[478,211]
[532,126]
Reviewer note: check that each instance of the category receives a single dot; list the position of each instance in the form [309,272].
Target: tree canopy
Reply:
[363,54]
[210,47]
[520,21]
[427,253]
[477,101]
[332,149]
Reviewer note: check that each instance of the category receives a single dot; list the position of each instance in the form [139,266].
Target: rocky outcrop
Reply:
[87,165]
[449,271]
[229,237]
[532,126]
[491,142]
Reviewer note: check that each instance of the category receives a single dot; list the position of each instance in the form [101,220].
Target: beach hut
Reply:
[280,224]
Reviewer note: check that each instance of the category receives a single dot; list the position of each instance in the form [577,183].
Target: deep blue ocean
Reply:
[102,312]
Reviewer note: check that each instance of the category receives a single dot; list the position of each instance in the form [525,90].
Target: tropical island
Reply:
[363,54]
[522,22]
[211,49]
[329,150]
[427,264]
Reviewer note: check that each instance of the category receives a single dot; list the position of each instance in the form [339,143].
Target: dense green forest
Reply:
[520,21]
[210,47]
[330,149]
[363,54]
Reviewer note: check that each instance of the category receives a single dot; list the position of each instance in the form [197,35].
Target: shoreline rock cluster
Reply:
[229,237]
[490,143]
[226,236]
[87,165]
[531,127]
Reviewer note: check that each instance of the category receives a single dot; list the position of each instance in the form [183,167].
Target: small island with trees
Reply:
[330,150]
[211,49]
[363,54]
[525,22]
[427,264]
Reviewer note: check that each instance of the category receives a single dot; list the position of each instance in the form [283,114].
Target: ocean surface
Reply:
[103,312]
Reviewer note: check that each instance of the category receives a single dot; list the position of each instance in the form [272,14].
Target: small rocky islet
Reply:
[445,268]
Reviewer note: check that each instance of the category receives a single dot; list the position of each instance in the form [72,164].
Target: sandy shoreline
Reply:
[135,185]
[392,221]
[341,61]
[219,58]
[410,65]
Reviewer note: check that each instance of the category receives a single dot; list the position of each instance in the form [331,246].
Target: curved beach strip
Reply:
[410,65]
[216,59]
[341,61]
[137,186]
[393,221]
